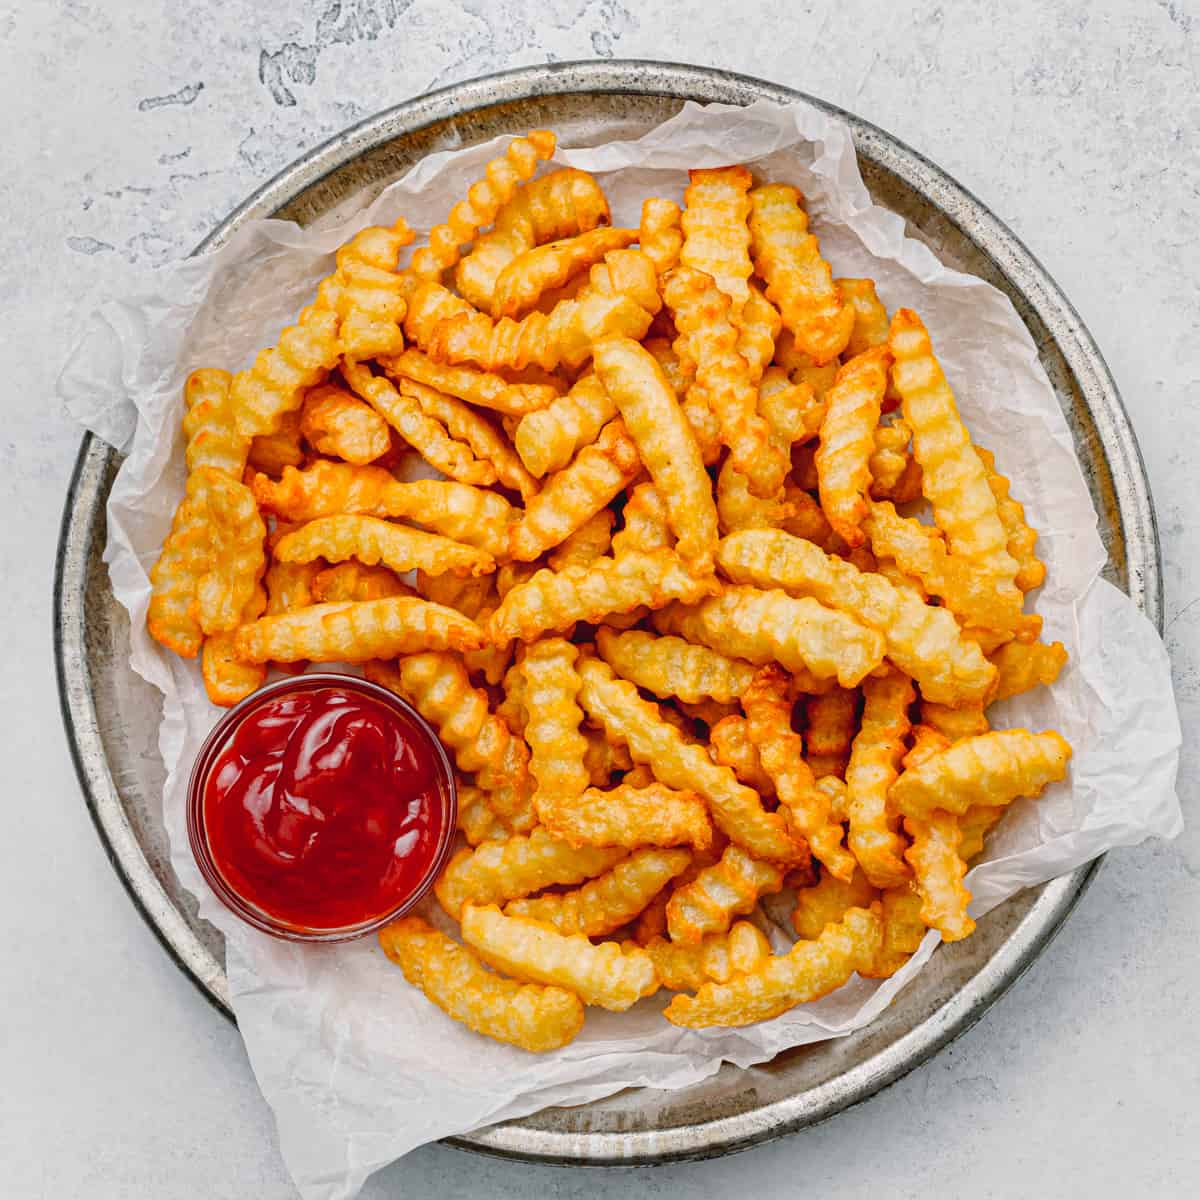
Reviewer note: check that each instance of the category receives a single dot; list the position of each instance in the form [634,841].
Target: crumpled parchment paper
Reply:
[358,1067]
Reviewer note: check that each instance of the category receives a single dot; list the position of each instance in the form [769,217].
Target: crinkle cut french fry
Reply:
[439,687]
[547,440]
[671,667]
[273,452]
[484,388]
[429,304]
[719,957]
[771,626]
[468,425]
[799,280]
[708,338]
[526,1015]
[974,826]
[592,540]
[738,508]
[289,585]
[275,384]
[758,327]
[553,717]
[603,760]
[903,931]
[608,901]
[496,872]
[427,436]
[660,233]
[628,816]
[353,581]
[1023,666]
[852,411]
[555,600]
[210,424]
[768,706]
[736,810]
[705,427]
[730,745]
[228,680]
[715,237]
[832,723]
[874,766]
[535,273]
[994,768]
[559,204]
[938,871]
[603,975]
[827,902]
[870,327]
[477,819]
[210,563]
[895,473]
[502,177]
[925,642]
[926,742]
[719,893]
[807,972]
[954,479]
[708,711]
[1031,571]
[665,443]
[355,632]
[336,423]
[645,517]
[372,540]
[792,410]
[620,300]
[575,494]
[956,723]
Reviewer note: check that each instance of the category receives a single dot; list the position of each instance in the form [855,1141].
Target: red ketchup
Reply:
[324,809]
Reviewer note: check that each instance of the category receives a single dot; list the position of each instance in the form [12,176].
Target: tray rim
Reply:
[1022,270]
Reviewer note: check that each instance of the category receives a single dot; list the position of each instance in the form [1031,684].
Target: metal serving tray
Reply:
[112,716]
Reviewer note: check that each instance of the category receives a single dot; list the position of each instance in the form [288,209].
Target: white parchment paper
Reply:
[358,1067]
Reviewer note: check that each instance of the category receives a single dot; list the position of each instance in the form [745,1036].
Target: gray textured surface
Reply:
[1075,122]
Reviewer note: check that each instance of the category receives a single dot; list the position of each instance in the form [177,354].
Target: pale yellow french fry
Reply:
[210,563]
[228,680]
[831,723]
[356,631]
[1031,571]
[705,427]
[708,338]
[874,766]
[1023,666]
[807,972]
[547,440]
[828,901]
[592,540]
[771,626]
[719,956]
[954,478]
[938,870]
[719,893]
[553,717]
[975,824]
[903,931]
[660,234]
[799,280]
[665,443]
[426,435]
[715,237]
[336,423]
[533,1018]
[574,495]
[476,819]
[758,327]
[925,642]
[502,177]
[372,540]
[439,687]
[496,872]
[608,901]
[555,600]
[768,706]
[535,272]
[730,745]
[672,667]
[210,424]
[735,809]
[484,388]
[603,975]
[627,816]
[852,411]
[994,768]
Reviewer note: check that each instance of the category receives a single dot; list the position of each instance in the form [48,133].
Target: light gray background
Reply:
[131,126]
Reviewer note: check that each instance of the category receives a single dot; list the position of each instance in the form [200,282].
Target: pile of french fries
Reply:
[675,615]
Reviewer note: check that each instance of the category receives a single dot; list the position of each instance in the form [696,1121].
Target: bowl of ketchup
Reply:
[321,807]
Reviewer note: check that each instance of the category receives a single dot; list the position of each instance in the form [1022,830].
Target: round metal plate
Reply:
[112,716]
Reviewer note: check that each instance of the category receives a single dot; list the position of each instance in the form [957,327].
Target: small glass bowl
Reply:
[220,737]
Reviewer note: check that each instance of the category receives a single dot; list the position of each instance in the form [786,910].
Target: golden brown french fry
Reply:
[672,667]
[484,388]
[827,902]
[548,439]
[937,872]
[719,956]
[832,721]
[1025,665]
[719,893]
[628,816]
[210,424]
[660,234]
[336,423]
[553,717]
